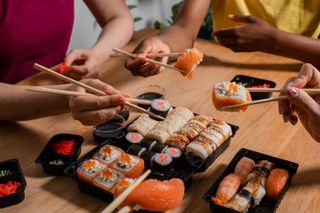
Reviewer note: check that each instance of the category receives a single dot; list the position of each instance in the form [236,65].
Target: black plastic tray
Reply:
[47,154]
[267,205]
[252,81]
[16,175]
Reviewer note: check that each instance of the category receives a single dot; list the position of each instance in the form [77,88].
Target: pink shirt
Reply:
[33,31]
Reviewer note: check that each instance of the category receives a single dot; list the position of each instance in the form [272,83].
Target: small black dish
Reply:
[266,204]
[47,154]
[106,131]
[16,174]
[248,81]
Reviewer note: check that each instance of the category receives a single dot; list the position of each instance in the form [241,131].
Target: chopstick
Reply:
[307,90]
[116,202]
[150,54]
[151,61]
[254,102]
[74,93]
[91,89]
[125,209]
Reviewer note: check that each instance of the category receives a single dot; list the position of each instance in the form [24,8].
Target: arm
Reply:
[116,22]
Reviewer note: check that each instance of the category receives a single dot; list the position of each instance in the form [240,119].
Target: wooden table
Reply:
[261,129]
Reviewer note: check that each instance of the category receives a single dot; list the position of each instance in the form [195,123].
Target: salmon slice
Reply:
[276,183]
[188,61]
[155,195]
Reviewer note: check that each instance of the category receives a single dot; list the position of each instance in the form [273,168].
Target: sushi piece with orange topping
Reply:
[131,166]
[122,185]
[107,179]
[227,93]
[228,187]
[188,61]
[89,169]
[108,154]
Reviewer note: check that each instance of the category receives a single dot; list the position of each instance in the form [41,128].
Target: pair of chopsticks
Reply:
[116,202]
[307,90]
[85,86]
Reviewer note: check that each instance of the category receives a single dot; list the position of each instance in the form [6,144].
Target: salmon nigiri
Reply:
[227,93]
[276,183]
[228,187]
[155,195]
[188,60]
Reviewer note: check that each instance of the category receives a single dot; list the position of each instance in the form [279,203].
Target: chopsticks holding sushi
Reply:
[307,90]
[73,93]
[91,89]
[116,202]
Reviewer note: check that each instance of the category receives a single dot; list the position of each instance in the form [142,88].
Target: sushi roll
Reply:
[160,107]
[201,120]
[121,185]
[148,143]
[188,61]
[107,178]
[174,153]
[134,138]
[162,163]
[191,130]
[199,149]
[129,165]
[179,141]
[108,154]
[158,147]
[276,182]
[228,187]
[142,125]
[89,169]
[221,126]
[227,93]
[148,158]
[210,137]
[243,168]
[136,150]
[241,201]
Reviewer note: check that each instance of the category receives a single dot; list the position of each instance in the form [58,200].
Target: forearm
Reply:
[18,104]
[298,47]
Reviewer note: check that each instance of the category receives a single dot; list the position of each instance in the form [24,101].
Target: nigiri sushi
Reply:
[108,154]
[131,166]
[243,168]
[188,61]
[89,169]
[121,185]
[228,187]
[158,196]
[107,178]
[227,93]
[276,183]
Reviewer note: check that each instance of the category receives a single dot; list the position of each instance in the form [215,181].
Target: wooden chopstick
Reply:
[91,89]
[125,209]
[148,55]
[116,202]
[254,102]
[307,90]
[74,93]
[151,61]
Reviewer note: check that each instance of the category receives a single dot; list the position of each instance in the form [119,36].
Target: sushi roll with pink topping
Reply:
[134,138]
[160,107]
[89,169]
[131,166]
[162,163]
[108,154]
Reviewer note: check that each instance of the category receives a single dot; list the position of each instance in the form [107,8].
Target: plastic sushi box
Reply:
[266,205]
[48,154]
[249,81]
[15,174]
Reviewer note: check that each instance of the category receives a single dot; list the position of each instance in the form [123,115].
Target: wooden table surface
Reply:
[261,129]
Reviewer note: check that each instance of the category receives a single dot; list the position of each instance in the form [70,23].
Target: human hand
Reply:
[139,66]
[254,35]
[300,104]
[94,110]
[81,64]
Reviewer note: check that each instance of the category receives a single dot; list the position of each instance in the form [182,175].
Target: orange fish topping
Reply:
[106,173]
[126,158]
[123,183]
[90,164]
[107,150]
[233,87]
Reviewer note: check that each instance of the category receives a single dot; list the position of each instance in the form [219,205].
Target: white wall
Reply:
[86,30]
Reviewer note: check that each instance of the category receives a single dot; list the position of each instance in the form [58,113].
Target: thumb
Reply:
[302,100]
[71,57]
[241,18]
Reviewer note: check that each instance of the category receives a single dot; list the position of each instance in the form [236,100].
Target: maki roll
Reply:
[160,107]
[191,130]
[108,154]
[179,141]
[158,147]
[134,137]
[174,153]
[148,158]
[121,185]
[211,136]
[148,143]
[136,150]
[201,120]
[162,163]
[221,126]
[89,169]
[199,149]
[129,165]
[107,178]
[142,125]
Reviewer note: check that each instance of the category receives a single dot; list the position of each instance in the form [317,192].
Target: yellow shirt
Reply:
[295,16]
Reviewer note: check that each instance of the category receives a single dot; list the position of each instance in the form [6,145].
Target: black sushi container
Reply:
[248,81]
[48,154]
[266,204]
[15,175]
[104,131]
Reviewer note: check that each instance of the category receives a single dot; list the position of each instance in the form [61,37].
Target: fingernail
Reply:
[292,92]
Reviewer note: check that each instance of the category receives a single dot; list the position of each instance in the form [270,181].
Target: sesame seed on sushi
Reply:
[160,107]
[107,178]
[108,154]
[134,138]
[89,169]
[162,163]
[131,166]
[136,150]
[199,149]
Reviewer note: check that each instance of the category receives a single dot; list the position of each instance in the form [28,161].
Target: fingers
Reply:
[108,89]
[308,76]
[73,56]
[242,18]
